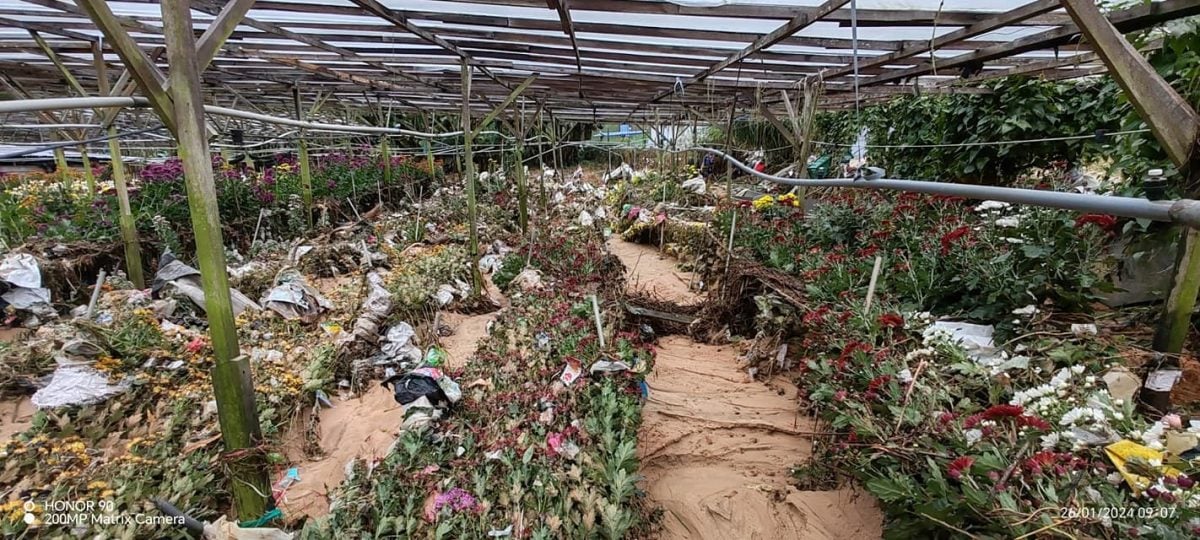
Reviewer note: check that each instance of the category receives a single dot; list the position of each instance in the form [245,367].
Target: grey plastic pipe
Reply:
[1184,211]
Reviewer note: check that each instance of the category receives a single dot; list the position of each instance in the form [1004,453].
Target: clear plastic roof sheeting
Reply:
[604,59]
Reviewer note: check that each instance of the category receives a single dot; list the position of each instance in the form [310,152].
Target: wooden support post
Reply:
[385,162]
[469,178]
[1176,125]
[729,149]
[232,383]
[88,176]
[129,235]
[522,182]
[302,158]
[542,164]
[61,167]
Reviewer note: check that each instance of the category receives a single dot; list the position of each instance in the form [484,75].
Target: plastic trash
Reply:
[541,341]
[435,357]
[24,278]
[289,479]
[445,294]
[1081,330]
[1122,383]
[500,533]
[186,280]
[76,384]
[398,345]
[571,372]
[426,382]
[696,185]
[420,414]
[529,279]
[607,366]
[411,387]
[294,299]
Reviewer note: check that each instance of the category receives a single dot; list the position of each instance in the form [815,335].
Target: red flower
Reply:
[946,417]
[891,320]
[1103,221]
[956,468]
[972,421]
[1000,411]
[840,395]
[953,236]
[1033,422]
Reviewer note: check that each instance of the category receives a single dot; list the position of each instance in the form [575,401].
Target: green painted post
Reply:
[129,235]
[232,384]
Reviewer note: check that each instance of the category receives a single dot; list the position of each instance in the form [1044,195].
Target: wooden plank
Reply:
[232,384]
[512,96]
[227,20]
[564,16]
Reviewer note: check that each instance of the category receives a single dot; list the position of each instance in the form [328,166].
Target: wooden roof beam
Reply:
[795,24]
[1022,13]
[1126,20]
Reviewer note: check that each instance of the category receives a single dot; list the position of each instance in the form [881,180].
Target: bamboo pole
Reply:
[88,175]
[62,169]
[232,383]
[302,157]
[469,178]
[129,235]
[522,182]
[728,149]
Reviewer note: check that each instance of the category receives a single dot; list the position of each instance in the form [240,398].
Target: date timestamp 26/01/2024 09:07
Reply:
[1115,512]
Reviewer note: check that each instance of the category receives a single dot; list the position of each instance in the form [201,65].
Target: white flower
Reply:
[1014,240]
[973,436]
[991,205]
[905,376]
[1008,222]
[1050,441]
[1114,478]
[1027,310]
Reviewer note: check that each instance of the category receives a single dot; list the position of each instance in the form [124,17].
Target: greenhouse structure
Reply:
[535,269]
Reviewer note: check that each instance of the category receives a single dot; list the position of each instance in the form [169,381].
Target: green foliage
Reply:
[1016,109]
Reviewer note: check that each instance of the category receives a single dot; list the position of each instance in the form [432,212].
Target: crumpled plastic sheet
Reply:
[186,280]
[21,271]
[76,384]
[223,529]
[293,298]
[398,345]
[696,185]
[622,172]
[373,312]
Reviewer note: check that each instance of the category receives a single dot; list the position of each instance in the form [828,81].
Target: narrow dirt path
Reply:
[654,273]
[717,448]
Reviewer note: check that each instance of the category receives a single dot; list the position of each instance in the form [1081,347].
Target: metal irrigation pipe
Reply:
[53,104]
[1185,211]
[68,144]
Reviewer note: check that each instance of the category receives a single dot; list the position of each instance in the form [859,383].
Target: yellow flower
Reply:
[766,201]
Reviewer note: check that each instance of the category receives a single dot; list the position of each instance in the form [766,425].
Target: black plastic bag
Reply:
[412,386]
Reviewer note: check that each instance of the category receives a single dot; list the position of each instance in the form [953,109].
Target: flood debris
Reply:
[175,276]
[294,299]
[21,281]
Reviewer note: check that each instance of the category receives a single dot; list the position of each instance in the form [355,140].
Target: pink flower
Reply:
[1173,421]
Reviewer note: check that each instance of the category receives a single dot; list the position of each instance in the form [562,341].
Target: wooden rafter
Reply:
[795,24]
